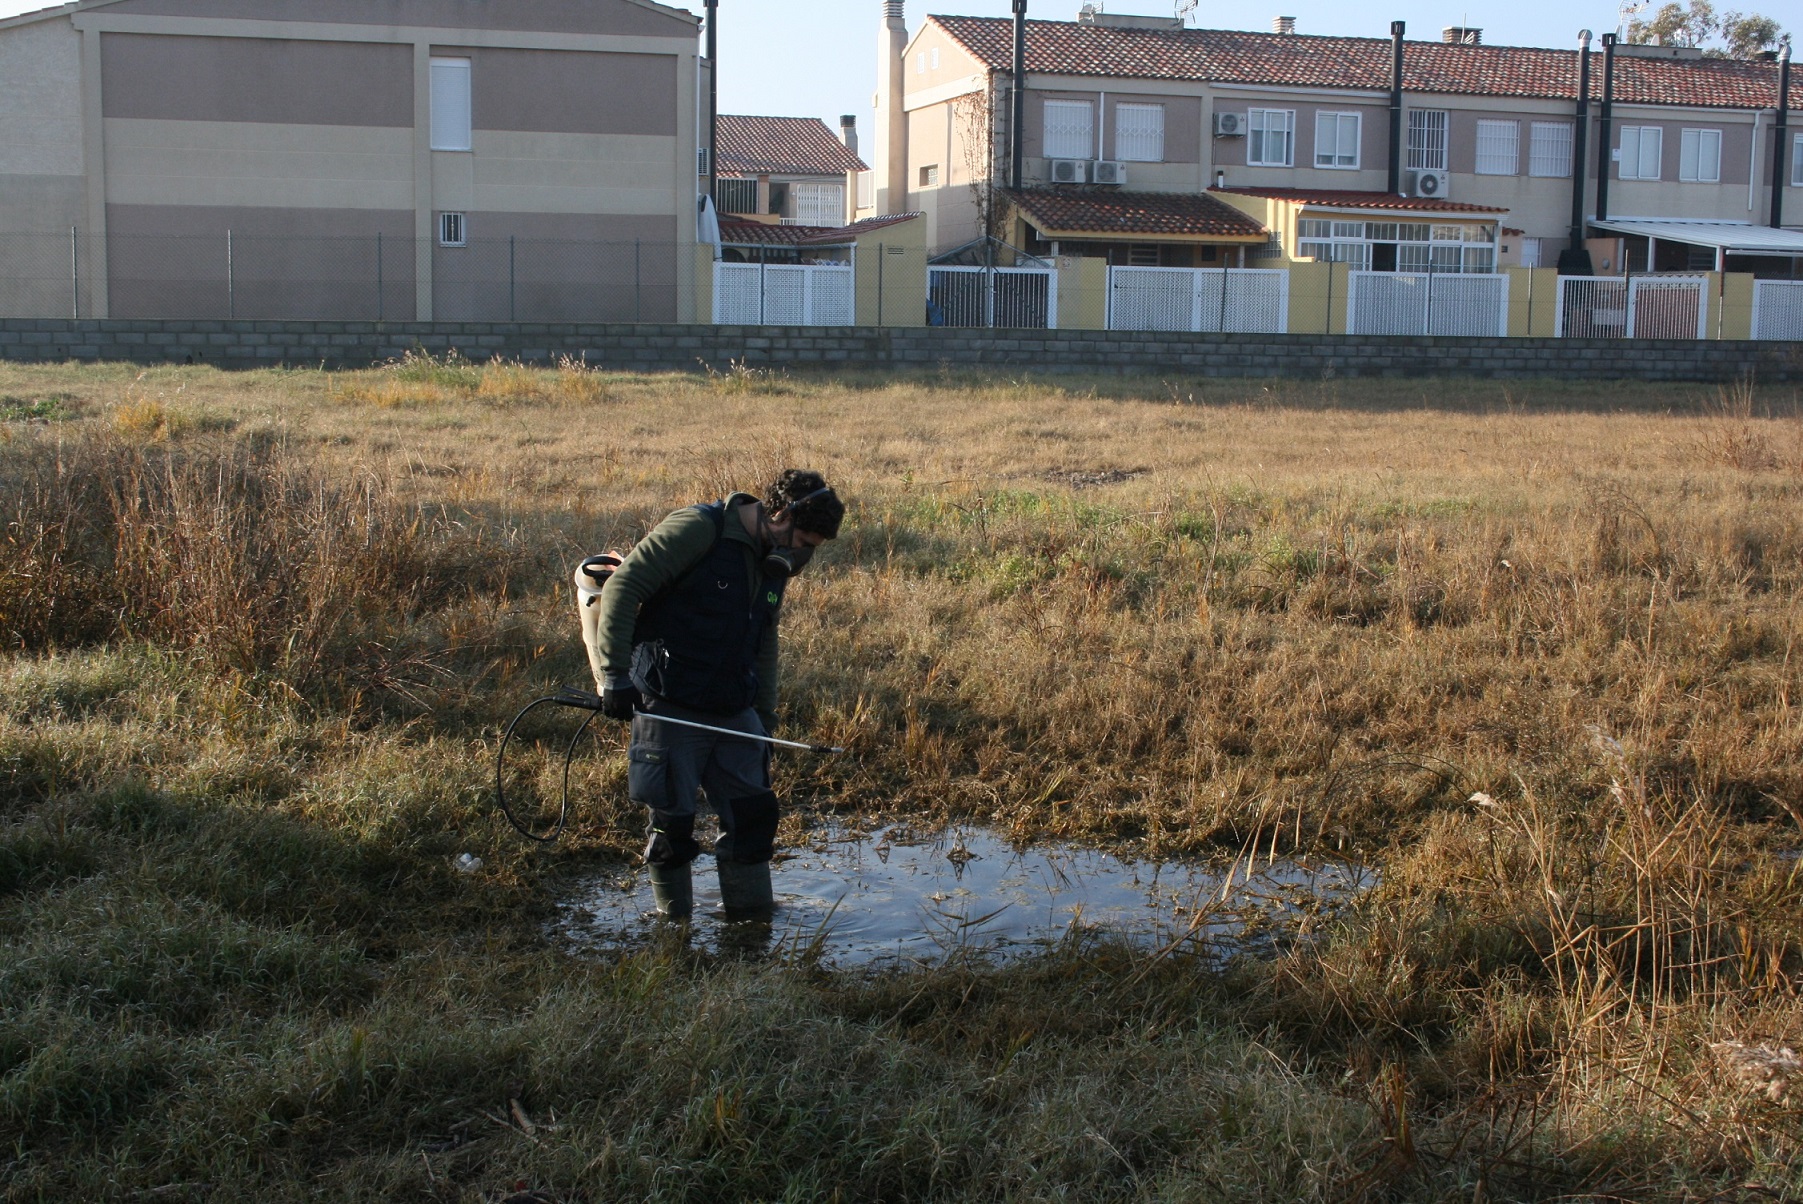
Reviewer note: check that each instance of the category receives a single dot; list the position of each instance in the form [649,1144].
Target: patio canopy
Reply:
[1728,238]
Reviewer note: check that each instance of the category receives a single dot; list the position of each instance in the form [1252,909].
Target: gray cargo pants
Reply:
[668,766]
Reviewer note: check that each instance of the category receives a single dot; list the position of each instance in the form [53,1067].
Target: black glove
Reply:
[619,702]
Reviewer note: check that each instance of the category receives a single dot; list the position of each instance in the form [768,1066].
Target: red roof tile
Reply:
[740,233]
[1341,199]
[800,146]
[1078,211]
[1241,56]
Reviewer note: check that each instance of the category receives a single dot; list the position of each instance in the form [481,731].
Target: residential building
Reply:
[787,170]
[1295,132]
[397,159]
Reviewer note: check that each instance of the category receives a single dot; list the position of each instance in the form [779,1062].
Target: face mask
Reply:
[784,563]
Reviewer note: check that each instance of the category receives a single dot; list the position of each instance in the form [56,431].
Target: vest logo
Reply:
[772,598]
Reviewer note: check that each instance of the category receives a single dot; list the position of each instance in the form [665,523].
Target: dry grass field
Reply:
[1531,650]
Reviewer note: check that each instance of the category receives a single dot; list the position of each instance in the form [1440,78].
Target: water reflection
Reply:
[856,898]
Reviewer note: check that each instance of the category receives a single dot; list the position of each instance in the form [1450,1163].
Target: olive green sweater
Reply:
[657,562]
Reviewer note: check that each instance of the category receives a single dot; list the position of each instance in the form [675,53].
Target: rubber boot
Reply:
[745,891]
[673,889]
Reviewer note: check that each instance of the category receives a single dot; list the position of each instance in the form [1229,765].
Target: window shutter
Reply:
[1139,133]
[1652,148]
[1549,149]
[450,104]
[1498,148]
[1069,129]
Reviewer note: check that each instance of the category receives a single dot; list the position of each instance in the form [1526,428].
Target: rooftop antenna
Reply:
[1186,9]
[1624,12]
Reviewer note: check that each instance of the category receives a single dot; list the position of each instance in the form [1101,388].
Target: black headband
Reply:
[798,501]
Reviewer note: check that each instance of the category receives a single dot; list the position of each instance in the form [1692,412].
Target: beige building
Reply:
[394,159]
[1295,132]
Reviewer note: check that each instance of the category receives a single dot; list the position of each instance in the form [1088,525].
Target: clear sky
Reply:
[817,58]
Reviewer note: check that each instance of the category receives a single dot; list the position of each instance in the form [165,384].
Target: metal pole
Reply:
[638,280]
[512,285]
[1396,31]
[1576,260]
[713,101]
[1329,320]
[231,279]
[881,256]
[1605,133]
[1017,96]
[1782,135]
[1427,301]
[74,274]
[1221,321]
[381,283]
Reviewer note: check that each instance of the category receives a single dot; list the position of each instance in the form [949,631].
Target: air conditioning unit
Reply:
[1107,171]
[1230,125]
[1069,171]
[1436,184]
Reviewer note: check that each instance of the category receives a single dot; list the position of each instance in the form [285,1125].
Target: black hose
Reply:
[567,697]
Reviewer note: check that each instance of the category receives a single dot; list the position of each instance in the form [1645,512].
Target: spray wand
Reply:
[582,700]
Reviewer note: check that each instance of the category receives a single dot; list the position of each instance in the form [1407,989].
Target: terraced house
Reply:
[1147,143]
[397,159]
[787,169]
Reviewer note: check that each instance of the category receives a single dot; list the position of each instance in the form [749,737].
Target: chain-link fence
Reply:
[234,275]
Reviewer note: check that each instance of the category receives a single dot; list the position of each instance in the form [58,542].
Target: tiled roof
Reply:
[739,233]
[1341,199]
[800,146]
[1241,56]
[1076,211]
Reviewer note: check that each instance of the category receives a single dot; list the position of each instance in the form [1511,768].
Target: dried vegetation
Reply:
[1533,651]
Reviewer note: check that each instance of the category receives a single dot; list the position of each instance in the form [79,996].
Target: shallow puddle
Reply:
[894,895]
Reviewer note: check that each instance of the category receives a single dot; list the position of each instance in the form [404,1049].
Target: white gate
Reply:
[1428,303]
[1633,307]
[1245,300]
[1013,298]
[784,294]
[1778,309]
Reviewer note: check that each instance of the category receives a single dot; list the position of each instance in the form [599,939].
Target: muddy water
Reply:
[891,895]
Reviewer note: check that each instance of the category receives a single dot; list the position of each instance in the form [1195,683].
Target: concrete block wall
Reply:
[682,348]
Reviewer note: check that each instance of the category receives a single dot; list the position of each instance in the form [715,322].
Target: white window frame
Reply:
[1330,132]
[1429,139]
[1549,150]
[1700,156]
[1261,128]
[818,204]
[453,229]
[866,189]
[1067,137]
[1139,133]
[1498,148]
[1420,247]
[452,115]
[1637,148]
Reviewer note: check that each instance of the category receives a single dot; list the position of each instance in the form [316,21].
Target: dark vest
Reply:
[697,643]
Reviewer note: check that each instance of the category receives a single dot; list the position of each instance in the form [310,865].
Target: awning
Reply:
[1731,238]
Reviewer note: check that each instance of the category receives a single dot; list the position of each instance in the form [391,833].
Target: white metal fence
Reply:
[1633,307]
[1246,300]
[781,294]
[1778,309]
[1014,298]
[1428,303]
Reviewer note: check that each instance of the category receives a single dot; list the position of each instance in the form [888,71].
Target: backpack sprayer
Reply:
[591,575]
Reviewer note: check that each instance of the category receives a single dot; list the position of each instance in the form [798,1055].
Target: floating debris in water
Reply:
[897,896]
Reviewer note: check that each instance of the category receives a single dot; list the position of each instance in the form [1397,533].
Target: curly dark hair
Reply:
[808,499]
